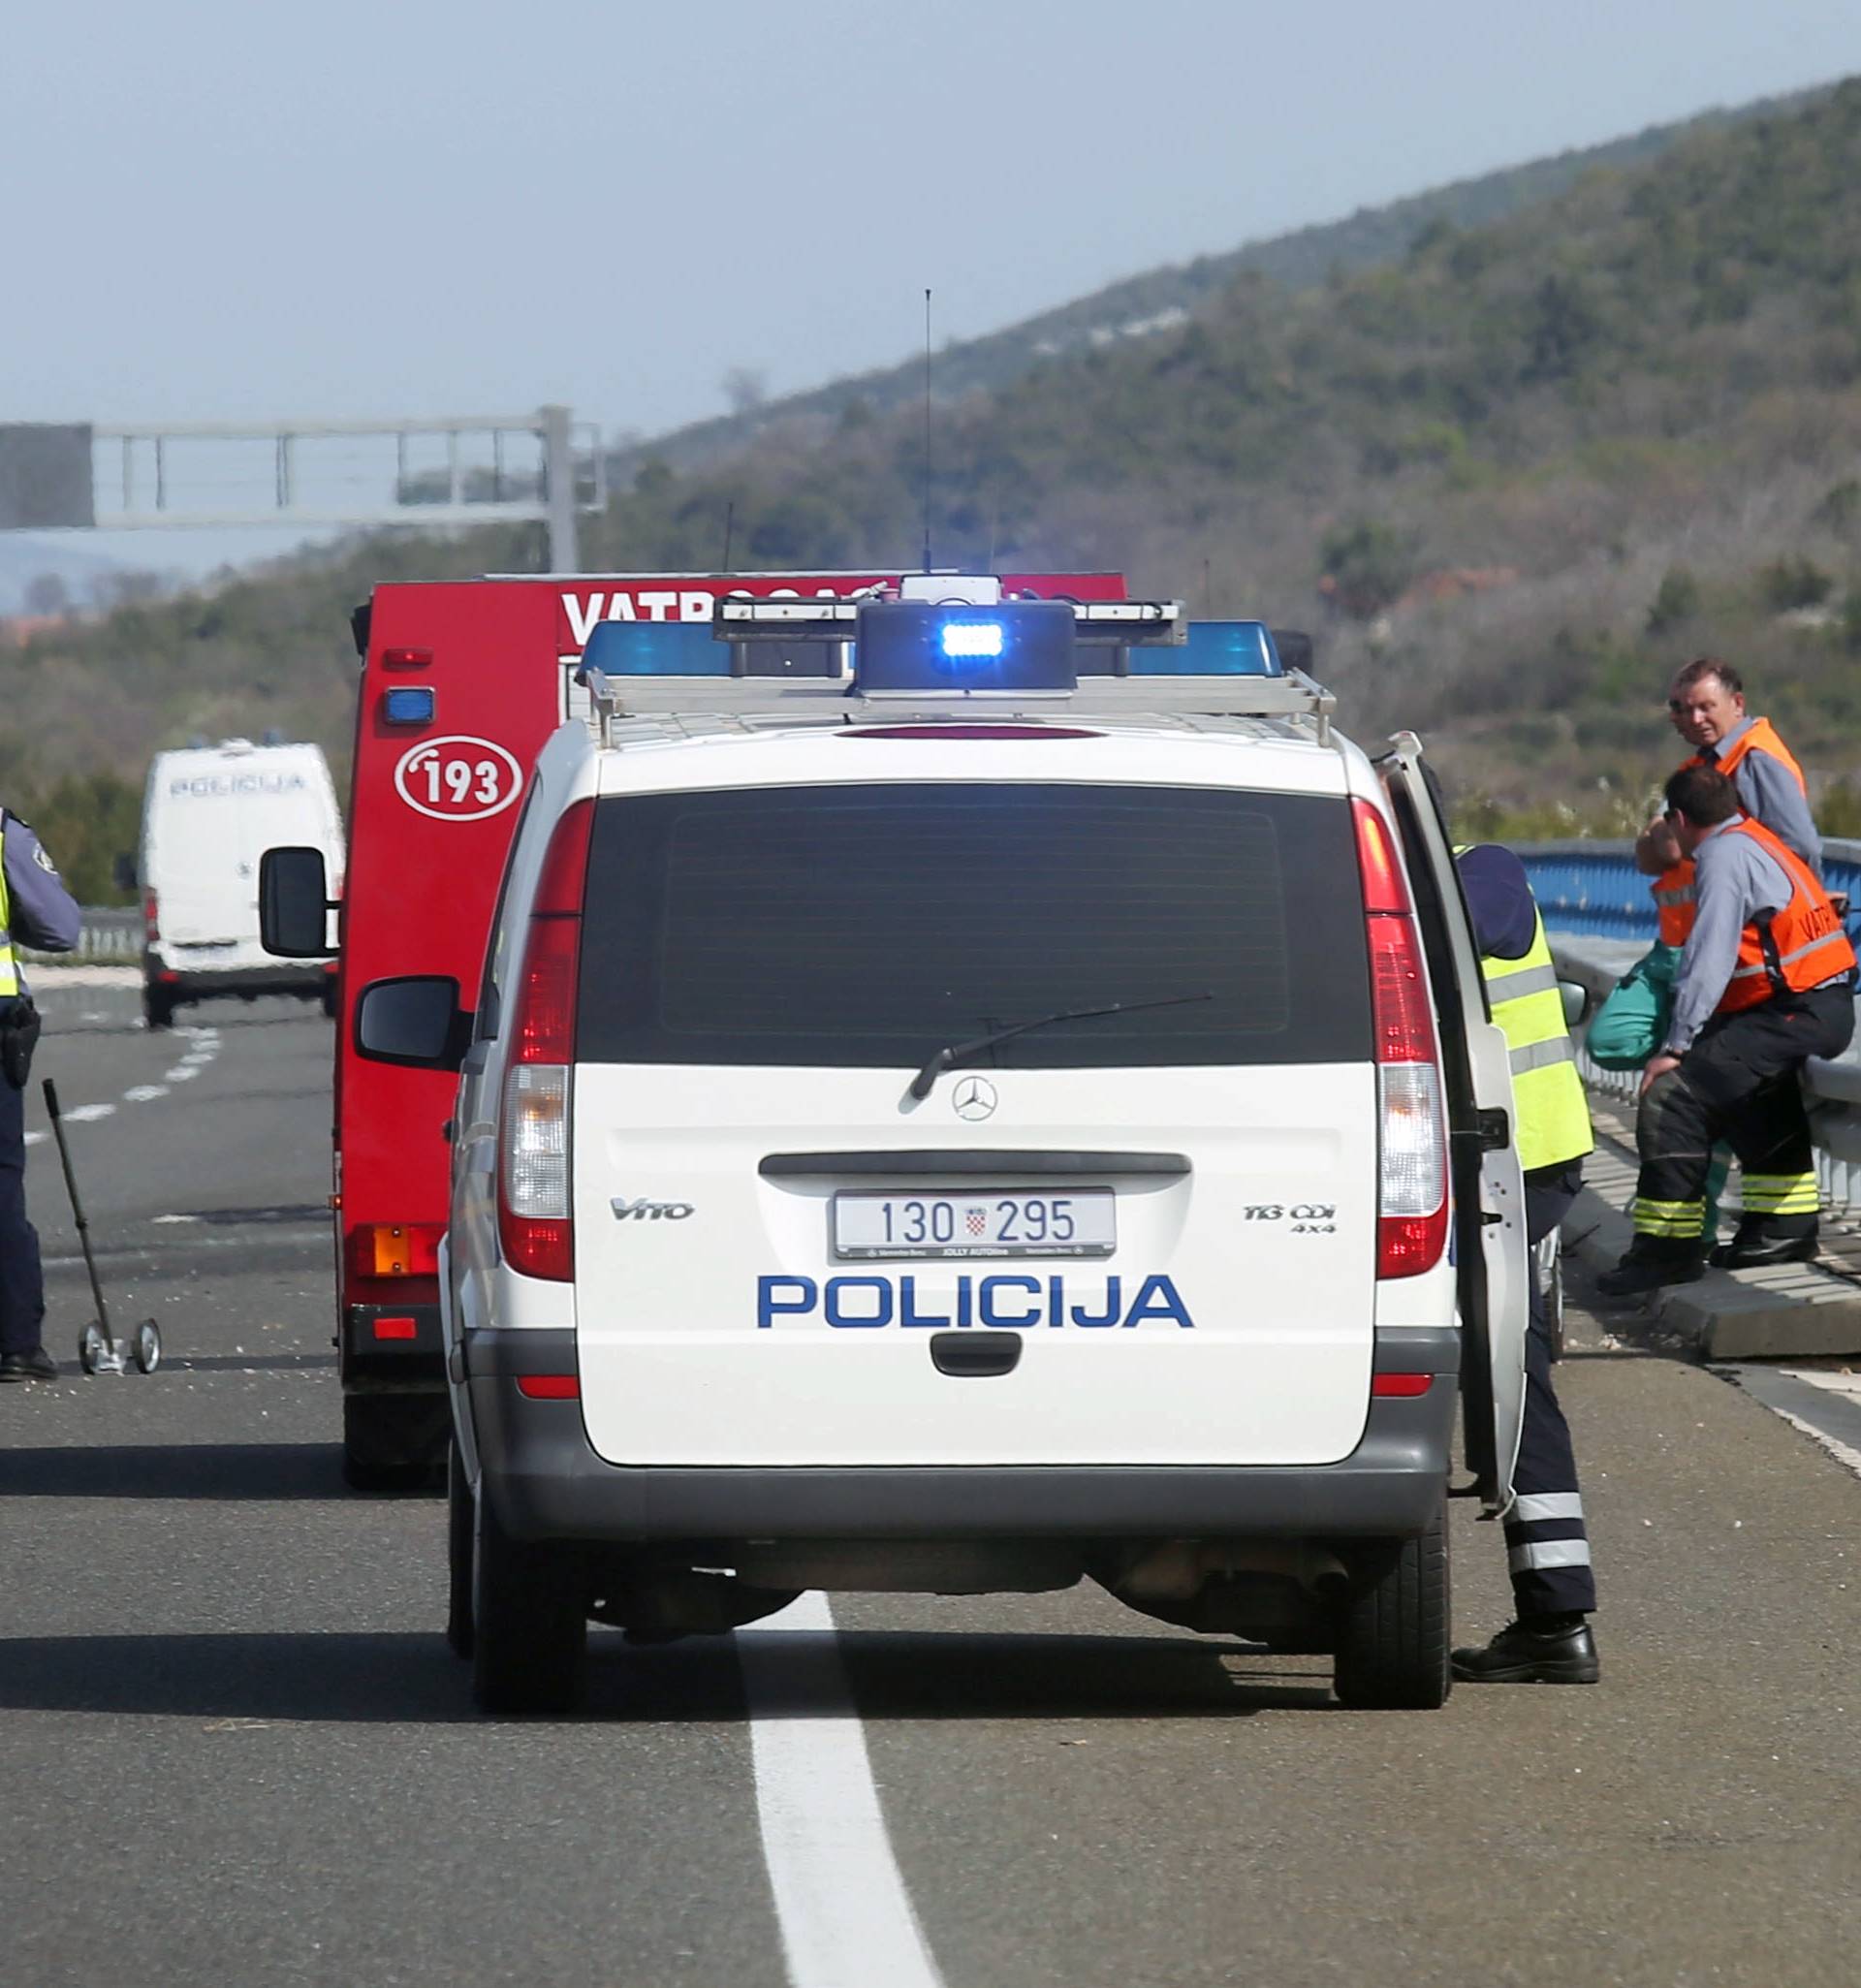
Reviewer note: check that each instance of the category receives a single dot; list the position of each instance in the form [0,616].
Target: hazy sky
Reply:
[240,210]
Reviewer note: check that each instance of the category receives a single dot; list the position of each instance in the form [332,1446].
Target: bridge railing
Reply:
[111,936]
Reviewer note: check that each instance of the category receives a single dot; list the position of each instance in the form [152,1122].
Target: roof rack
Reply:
[1292,696]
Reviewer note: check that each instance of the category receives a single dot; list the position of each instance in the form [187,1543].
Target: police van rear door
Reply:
[1164,1189]
[1491,1256]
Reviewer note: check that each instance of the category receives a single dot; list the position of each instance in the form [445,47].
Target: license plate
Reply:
[996,1221]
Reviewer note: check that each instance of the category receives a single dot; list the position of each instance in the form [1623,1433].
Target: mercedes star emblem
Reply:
[975,1099]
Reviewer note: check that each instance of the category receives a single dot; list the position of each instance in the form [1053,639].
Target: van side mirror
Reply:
[414,1019]
[123,870]
[1577,1000]
[294,905]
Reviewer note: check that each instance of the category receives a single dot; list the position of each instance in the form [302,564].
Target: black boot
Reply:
[1651,1263]
[35,1364]
[1755,1246]
[1535,1649]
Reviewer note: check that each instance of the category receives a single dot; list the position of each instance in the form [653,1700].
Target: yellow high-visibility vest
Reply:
[1554,1120]
[9,959]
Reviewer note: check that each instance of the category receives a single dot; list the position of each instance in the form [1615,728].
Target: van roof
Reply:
[670,750]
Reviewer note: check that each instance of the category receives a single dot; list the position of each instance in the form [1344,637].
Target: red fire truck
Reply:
[461,683]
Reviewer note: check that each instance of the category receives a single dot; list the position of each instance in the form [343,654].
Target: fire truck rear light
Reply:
[395,1329]
[406,659]
[550,1387]
[1400,1386]
[398,1249]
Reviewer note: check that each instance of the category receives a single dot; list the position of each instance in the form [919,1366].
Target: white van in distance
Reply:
[209,814]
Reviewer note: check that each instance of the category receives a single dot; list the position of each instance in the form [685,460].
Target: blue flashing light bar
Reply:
[1021,648]
[961,639]
[1214,648]
[655,648]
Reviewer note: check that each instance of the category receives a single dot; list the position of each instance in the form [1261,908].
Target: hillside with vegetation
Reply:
[1508,480]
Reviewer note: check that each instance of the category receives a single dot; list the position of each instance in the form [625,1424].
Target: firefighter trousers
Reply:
[1739,1082]
[22,1288]
[1547,1546]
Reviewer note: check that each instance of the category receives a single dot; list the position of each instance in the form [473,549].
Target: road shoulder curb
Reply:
[1793,1310]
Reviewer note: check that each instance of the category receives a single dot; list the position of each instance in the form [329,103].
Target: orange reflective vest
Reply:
[1673,889]
[1788,951]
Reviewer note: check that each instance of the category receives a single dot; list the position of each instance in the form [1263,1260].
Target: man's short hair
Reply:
[1700,667]
[1703,794]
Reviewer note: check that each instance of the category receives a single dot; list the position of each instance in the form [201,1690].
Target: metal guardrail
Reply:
[1593,889]
[111,935]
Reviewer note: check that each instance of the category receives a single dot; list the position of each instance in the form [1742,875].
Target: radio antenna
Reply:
[927,430]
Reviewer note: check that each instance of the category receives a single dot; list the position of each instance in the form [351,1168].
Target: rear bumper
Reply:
[545,1482]
[206,983]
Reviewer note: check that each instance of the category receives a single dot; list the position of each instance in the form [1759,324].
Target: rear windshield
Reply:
[868,926]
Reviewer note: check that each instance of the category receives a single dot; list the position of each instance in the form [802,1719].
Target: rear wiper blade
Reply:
[953,1054]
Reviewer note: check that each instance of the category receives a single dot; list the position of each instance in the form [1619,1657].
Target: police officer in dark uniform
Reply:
[1554,1589]
[35,910]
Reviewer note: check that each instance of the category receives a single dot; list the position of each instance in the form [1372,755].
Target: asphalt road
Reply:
[234,1745]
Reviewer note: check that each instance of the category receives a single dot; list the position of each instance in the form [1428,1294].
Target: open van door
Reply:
[1492,1260]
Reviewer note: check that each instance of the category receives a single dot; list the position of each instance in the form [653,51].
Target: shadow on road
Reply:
[413,1678]
[231,1471]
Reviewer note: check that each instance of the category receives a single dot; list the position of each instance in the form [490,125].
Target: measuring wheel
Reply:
[94,1351]
[148,1346]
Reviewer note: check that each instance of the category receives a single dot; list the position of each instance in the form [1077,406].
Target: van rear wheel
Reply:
[1392,1632]
[158,1007]
[529,1622]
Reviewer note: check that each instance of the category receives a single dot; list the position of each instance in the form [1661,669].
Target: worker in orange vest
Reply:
[1766,980]
[1706,701]
[1707,705]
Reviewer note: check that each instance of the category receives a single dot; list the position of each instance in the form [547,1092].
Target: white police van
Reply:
[210,812]
[1017,1105]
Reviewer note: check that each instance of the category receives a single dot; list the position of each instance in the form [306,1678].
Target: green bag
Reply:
[1631,1025]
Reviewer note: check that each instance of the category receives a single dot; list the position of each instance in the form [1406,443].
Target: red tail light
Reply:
[550,1387]
[151,921]
[1400,1386]
[1411,1227]
[533,1206]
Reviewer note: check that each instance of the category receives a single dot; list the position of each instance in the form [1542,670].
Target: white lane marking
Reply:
[180,1073]
[33,1138]
[176,1217]
[82,1114]
[845,1917]
[142,1093]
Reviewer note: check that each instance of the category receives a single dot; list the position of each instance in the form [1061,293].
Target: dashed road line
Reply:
[846,1918]
[181,1073]
[83,1113]
[143,1093]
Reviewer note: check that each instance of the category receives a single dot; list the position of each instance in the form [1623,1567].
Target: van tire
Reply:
[393,1443]
[331,1007]
[529,1622]
[461,1523]
[158,1008]
[1392,1632]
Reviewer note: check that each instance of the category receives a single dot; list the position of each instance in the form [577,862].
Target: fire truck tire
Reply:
[461,1522]
[158,1008]
[1394,1631]
[529,1622]
[393,1443]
